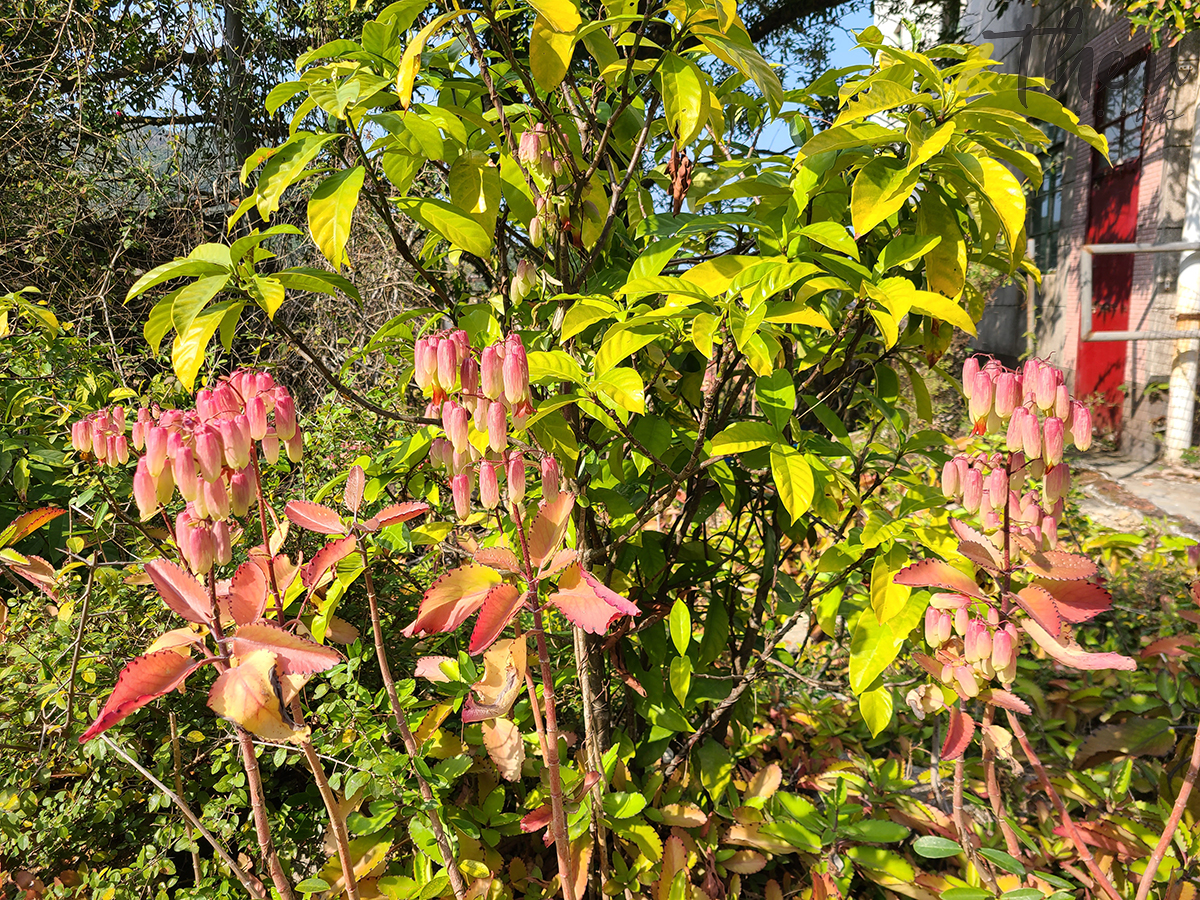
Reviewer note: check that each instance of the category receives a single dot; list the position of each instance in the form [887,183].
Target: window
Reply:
[1045,210]
[1119,112]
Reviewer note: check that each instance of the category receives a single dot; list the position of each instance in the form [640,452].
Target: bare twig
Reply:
[1160,849]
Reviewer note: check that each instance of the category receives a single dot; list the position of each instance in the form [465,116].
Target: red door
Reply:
[1112,219]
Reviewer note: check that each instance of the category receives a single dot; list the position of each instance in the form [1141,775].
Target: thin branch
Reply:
[1160,849]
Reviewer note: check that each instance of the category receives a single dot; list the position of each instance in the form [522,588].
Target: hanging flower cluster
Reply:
[489,394]
[1017,496]
[203,452]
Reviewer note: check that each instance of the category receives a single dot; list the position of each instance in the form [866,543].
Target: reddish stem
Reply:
[266,535]
[1160,849]
[1080,847]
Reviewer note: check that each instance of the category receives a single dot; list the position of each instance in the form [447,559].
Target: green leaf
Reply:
[410,63]
[475,184]
[312,885]
[330,211]
[734,47]
[905,249]
[714,766]
[680,677]
[1003,861]
[303,278]
[554,365]
[704,330]
[194,297]
[624,339]
[881,188]
[459,229]
[845,137]
[285,167]
[933,847]
[967,893]
[622,805]
[550,53]
[685,97]
[875,831]
[887,598]
[656,255]
[831,235]
[176,268]
[876,708]
[1040,106]
[268,293]
[586,312]
[776,395]
[562,15]
[793,480]
[874,647]
[882,95]
[187,354]
[159,322]
[681,626]
[1002,190]
[624,386]
[742,436]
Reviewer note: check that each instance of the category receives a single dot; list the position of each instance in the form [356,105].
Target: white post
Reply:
[1181,403]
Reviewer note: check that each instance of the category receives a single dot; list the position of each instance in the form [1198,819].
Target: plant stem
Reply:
[1160,849]
[266,535]
[410,742]
[335,821]
[1080,847]
[83,617]
[176,759]
[252,885]
[258,801]
[549,732]
[993,788]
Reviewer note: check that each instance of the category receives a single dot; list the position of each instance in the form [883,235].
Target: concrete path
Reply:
[1122,494]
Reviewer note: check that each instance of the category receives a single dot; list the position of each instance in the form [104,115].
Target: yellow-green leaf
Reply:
[681,626]
[793,479]
[410,63]
[742,436]
[194,297]
[458,228]
[685,97]
[331,210]
[880,189]
[876,708]
[624,386]
[549,54]
[561,15]
[945,262]
[187,354]
[1003,192]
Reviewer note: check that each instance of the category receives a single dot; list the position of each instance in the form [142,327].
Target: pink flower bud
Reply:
[270,447]
[529,150]
[118,419]
[497,427]
[962,621]
[551,478]
[480,416]
[1002,650]
[184,470]
[175,443]
[1049,532]
[241,493]
[1031,435]
[285,414]
[156,449]
[489,485]
[468,375]
[966,680]
[516,371]
[203,550]
[537,230]
[209,453]
[982,396]
[1057,483]
[1053,437]
[997,486]
[973,490]
[145,491]
[971,639]
[950,481]
[492,373]
[1008,394]
[1081,425]
[205,407]
[226,399]
[120,450]
[447,363]
[1045,387]
[932,618]
[215,498]
[945,627]
[295,446]
[455,421]
[165,486]
[993,616]
[231,444]
[81,438]
[222,544]
[969,371]
[516,478]
[983,642]
[1062,403]
[460,490]
[256,418]
[99,443]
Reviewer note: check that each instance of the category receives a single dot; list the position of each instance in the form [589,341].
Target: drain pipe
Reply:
[1181,403]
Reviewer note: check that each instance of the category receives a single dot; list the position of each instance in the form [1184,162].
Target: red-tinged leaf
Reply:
[452,598]
[328,557]
[1039,603]
[587,603]
[982,555]
[560,561]
[1196,592]
[504,745]
[1007,700]
[1078,601]
[356,481]
[929,664]
[502,682]
[315,517]
[500,558]
[285,569]
[251,695]
[142,680]
[181,591]
[396,513]
[589,779]
[27,523]
[247,597]
[296,655]
[935,573]
[958,734]
[1059,566]
[1169,647]
[1136,736]
[537,820]
[1071,654]
[181,640]
[581,860]
[499,607]
[1190,615]
[674,861]
[1107,838]
[37,570]
[430,668]
[546,533]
